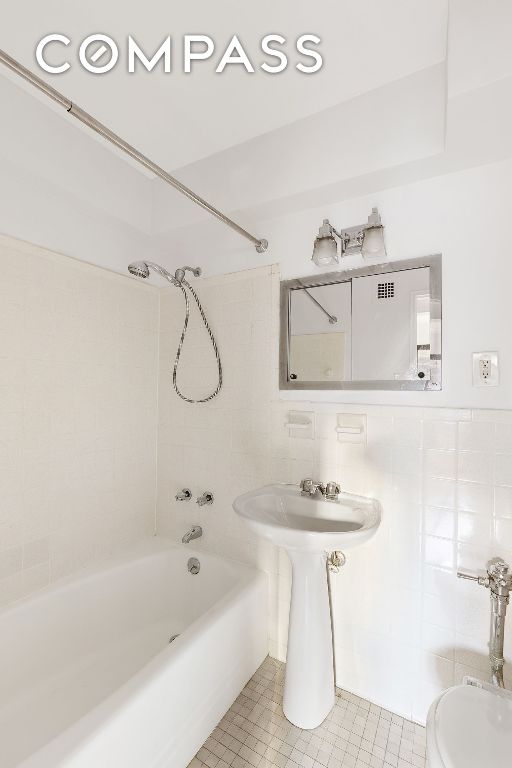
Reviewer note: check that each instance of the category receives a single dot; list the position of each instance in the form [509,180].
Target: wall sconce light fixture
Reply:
[365,239]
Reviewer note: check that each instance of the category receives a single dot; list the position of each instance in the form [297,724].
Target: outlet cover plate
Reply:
[485,369]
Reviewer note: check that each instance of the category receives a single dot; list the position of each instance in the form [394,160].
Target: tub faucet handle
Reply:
[184,495]
[205,498]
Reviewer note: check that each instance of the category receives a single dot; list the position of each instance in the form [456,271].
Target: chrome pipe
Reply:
[499,581]
[497,640]
[34,80]
[85,118]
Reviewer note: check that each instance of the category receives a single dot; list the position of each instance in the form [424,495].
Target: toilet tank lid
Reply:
[472,727]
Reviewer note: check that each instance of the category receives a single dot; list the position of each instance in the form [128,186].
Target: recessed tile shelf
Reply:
[301,424]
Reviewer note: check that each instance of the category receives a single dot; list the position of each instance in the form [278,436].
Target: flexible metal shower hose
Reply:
[180,345]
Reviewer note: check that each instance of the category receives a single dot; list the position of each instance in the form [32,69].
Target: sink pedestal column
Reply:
[309,680]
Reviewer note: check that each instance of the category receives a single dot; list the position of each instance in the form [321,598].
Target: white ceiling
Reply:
[178,119]
[402,97]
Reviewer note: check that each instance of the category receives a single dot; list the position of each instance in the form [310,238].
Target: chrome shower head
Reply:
[139,269]
[142,268]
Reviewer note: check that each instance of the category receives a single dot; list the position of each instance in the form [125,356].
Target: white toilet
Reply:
[470,726]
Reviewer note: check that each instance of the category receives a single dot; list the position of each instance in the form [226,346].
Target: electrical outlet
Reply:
[485,369]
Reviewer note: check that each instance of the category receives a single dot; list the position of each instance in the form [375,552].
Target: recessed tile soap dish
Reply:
[351,428]
[301,424]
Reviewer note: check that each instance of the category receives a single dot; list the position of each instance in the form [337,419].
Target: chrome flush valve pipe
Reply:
[499,581]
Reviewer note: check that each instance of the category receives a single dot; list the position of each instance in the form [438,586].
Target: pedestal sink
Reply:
[309,528]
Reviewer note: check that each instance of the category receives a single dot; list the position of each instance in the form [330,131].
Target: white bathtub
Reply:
[88,678]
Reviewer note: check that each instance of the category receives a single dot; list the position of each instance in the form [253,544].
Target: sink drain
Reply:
[173,637]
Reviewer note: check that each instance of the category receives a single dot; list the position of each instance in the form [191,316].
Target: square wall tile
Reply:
[440,435]
[476,436]
[476,467]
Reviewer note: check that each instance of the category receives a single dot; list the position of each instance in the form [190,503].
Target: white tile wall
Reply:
[405,627]
[78,414]
[79,379]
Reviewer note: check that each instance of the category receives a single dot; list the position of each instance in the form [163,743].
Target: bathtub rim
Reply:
[68,742]
[146,547]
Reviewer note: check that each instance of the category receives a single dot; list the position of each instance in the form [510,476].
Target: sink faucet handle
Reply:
[332,489]
[309,486]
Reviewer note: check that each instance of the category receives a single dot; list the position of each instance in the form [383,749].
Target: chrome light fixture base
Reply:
[364,239]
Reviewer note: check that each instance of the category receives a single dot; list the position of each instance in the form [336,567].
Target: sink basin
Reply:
[281,514]
[309,528]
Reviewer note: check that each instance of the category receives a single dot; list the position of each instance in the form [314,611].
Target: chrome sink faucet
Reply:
[499,581]
[312,488]
[309,487]
[195,532]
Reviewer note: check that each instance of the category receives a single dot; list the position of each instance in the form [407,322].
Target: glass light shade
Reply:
[325,251]
[373,243]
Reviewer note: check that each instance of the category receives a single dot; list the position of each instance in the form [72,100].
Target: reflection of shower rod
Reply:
[332,318]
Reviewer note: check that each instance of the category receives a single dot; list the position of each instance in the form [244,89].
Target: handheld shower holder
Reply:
[179,275]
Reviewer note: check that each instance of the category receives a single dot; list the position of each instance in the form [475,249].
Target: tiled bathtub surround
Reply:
[405,627]
[78,414]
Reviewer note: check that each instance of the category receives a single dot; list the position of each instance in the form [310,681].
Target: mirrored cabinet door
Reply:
[372,328]
[388,326]
[320,333]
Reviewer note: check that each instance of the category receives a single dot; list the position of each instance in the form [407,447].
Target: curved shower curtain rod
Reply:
[260,243]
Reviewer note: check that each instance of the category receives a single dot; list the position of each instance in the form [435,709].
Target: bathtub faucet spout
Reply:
[195,532]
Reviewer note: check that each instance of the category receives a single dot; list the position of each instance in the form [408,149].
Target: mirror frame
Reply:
[346,275]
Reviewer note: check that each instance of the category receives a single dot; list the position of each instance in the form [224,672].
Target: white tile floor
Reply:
[357,734]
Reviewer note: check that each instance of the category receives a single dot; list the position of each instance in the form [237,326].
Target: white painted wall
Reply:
[464,216]
[78,415]
[64,190]
[405,627]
